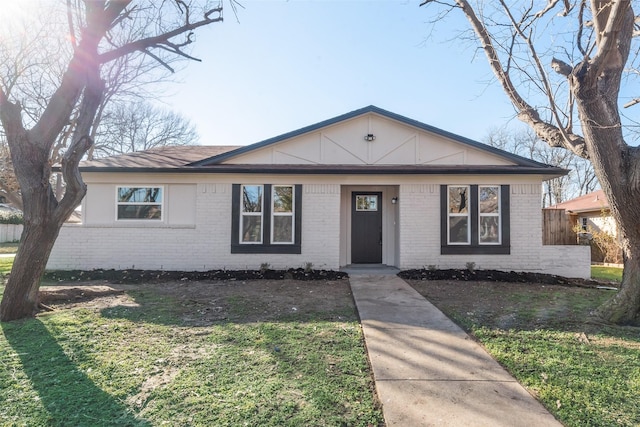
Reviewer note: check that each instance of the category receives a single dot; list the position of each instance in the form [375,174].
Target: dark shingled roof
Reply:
[174,157]
[210,159]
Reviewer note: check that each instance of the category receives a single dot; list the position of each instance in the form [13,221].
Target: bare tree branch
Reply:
[551,4]
[607,28]
[144,44]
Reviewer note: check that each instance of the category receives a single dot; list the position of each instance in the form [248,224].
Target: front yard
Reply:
[189,353]
[289,353]
[586,374]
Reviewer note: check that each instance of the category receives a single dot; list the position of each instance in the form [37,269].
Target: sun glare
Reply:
[14,9]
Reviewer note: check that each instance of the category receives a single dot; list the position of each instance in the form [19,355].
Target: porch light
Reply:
[394,200]
[369,137]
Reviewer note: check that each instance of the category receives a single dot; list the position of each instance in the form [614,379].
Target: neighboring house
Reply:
[367,187]
[590,212]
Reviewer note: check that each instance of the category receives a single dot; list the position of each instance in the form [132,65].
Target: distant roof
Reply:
[159,158]
[590,202]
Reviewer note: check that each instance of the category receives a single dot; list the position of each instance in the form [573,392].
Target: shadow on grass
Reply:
[68,395]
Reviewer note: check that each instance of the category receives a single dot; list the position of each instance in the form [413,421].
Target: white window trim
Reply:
[119,203]
[498,215]
[243,214]
[467,215]
[289,214]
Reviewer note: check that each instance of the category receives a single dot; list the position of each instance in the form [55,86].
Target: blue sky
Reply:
[282,65]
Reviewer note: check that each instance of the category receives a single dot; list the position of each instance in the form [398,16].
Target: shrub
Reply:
[11,218]
[608,246]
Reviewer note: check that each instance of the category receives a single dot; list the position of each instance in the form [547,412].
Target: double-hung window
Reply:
[489,212]
[251,210]
[475,219]
[139,203]
[282,218]
[266,218]
[458,227]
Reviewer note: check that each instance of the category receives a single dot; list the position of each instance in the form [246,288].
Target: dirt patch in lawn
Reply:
[501,299]
[511,305]
[200,303]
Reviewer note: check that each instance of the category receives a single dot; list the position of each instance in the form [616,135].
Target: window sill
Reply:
[137,224]
[265,249]
[475,250]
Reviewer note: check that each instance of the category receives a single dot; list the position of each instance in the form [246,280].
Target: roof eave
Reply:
[547,173]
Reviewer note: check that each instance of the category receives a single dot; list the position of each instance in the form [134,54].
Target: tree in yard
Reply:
[9,187]
[562,65]
[163,30]
[129,127]
[580,180]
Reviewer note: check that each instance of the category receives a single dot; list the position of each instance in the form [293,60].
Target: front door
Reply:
[366,227]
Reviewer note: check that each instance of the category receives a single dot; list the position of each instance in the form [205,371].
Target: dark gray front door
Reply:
[366,227]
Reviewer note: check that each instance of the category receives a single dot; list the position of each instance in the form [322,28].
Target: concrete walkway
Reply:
[428,371]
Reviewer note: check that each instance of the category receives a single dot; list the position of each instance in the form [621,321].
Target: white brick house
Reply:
[367,187]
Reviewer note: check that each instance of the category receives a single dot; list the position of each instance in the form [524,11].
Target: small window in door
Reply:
[366,202]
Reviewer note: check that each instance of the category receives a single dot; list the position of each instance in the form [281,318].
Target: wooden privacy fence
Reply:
[557,228]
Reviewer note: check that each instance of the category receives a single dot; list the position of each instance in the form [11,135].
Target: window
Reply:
[489,201]
[584,223]
[282,219]
[139,203]
[475,219]
[366,203]
[458,215]
[266,218]
[251,212]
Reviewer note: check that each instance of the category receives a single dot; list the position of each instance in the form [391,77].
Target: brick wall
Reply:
[420,236]
[206,244]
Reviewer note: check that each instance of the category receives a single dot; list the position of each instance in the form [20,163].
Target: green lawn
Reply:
[9,247]
[5,265]
[600,272]
[585,373]
[133,366]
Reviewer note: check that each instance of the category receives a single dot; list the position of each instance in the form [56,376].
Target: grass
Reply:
[5,265]
[600,272]
[126,366]
[9,247]
[585,374]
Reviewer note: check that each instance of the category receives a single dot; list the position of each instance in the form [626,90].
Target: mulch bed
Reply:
[495,276]
[145,276]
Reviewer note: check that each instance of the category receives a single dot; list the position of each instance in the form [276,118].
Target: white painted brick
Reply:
[206,244]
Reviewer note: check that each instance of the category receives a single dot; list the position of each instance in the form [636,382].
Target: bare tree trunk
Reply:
[623,307]
[31,149]
[20,298]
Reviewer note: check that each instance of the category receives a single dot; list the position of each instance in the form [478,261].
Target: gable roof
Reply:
[229,159]
[591,202]
[217,159]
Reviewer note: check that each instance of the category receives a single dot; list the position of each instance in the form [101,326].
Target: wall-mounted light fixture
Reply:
[394,200]
[369,137]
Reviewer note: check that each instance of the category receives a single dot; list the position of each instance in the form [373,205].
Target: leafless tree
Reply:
[580,180]
[9,187]
[163,31]
[129,127]
[562,65]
